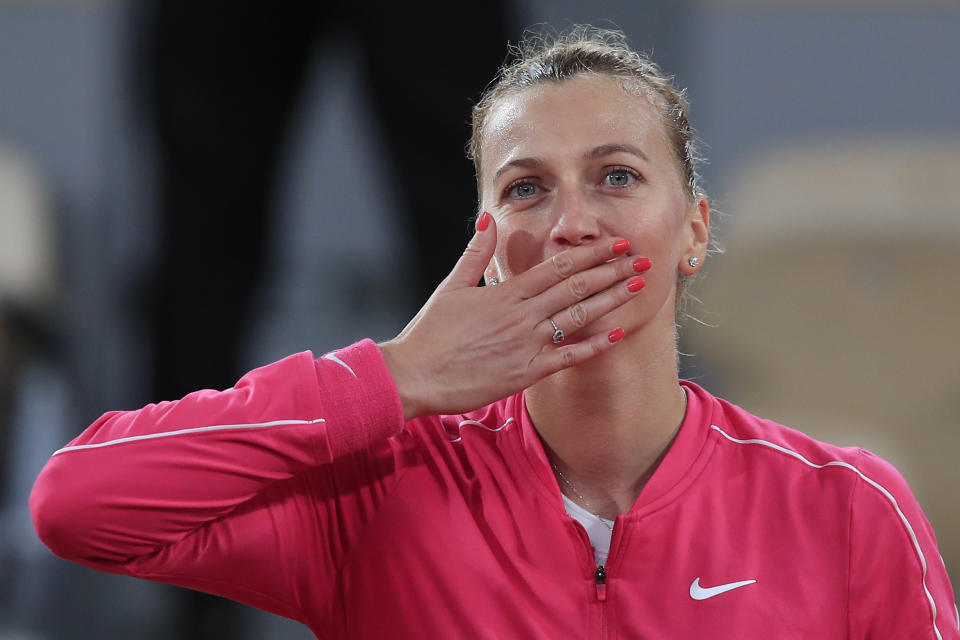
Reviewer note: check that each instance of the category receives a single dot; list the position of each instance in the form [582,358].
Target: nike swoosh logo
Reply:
[702,593]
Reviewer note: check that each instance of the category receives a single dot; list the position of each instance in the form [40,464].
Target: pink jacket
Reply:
[301,491]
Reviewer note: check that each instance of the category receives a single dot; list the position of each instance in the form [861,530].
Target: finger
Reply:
[566,263]
[549,361]
[585,284]
[579,315]
[469,268]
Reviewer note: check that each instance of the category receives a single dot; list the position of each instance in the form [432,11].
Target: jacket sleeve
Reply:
[898,584]
[230,492]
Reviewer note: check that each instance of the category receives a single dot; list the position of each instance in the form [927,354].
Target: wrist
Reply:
[398,365]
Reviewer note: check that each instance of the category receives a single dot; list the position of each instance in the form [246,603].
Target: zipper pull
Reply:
[601,579]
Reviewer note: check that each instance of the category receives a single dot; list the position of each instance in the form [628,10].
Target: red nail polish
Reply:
[636,284]
[616,335]
[641,264]
[483,221]
[621,246]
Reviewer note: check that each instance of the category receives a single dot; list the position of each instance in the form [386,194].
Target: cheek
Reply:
[519,251]
[649,236]
[656,237]
[662,230]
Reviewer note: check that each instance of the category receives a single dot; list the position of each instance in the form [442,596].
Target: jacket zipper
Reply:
[600,577]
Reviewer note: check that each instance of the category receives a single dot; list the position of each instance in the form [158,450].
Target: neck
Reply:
[607,423]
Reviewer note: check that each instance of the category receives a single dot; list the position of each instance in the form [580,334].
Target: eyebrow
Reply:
[596,152]
[523,163]
[610,149]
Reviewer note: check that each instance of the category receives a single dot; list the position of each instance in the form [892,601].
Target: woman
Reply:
[591,494]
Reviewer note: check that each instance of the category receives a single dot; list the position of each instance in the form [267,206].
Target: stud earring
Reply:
[693,261]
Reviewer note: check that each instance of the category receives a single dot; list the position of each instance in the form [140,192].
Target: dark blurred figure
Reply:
[222,80]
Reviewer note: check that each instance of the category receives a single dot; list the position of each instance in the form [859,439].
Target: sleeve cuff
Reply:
[361,402]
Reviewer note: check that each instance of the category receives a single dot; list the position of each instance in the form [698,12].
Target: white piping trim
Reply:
[330,356]
[178,432]
[871,482]
[474,423]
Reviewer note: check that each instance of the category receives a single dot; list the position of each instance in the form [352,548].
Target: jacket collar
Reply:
[686,456]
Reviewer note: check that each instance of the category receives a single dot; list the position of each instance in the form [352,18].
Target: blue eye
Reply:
[524,190]
[620,178]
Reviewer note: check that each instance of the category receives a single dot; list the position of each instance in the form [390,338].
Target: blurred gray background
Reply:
[832,131]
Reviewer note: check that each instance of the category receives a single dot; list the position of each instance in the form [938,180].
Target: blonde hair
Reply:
[585,50]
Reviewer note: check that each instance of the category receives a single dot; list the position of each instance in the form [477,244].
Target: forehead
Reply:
[568,118]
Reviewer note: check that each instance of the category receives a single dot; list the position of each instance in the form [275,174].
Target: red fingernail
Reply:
[616,335]
[641,264]
[621,246]
[636,284]
[483,221]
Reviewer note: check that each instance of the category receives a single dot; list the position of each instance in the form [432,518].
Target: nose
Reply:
[574,221]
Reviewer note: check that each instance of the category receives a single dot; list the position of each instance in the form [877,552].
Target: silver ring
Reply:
[557,332]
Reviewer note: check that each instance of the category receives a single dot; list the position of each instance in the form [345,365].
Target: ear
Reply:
[698,236]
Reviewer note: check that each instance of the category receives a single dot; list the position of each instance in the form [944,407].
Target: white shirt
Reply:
[599,530]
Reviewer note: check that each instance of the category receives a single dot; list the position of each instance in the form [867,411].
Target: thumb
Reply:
[469,268]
